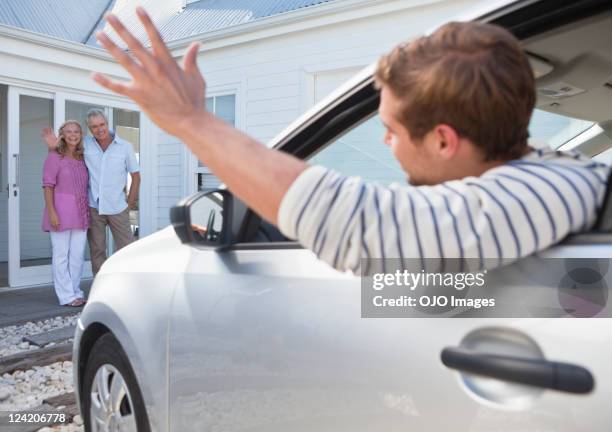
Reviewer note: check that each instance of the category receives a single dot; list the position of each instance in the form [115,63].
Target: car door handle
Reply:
[546,374]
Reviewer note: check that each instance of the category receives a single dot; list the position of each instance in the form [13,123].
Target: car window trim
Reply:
[265,245]
[528,18]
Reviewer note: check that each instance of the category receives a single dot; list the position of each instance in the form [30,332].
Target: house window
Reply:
[225,108]
[126,125]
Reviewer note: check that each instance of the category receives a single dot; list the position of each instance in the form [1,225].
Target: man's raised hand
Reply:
[170,95]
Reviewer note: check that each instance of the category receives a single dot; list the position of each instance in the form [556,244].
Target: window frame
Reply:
[346,112]
[193,168]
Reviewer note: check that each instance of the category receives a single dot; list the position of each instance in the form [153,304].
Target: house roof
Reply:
[78,20]
[207,15]
[178,21]
[72,20]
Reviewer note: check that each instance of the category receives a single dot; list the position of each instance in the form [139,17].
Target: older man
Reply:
[456,105]
[109,159]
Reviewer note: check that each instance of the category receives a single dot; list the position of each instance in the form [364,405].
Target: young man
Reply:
[109,159]
[456,105]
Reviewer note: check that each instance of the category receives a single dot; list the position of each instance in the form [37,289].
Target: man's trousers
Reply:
[120,228]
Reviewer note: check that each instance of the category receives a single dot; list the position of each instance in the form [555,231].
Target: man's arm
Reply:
[345,219]
[255,174]
[174,98]
[134,188]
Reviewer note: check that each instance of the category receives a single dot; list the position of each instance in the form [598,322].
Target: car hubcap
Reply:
[111,408]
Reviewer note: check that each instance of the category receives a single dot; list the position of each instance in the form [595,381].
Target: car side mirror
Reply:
[204,219]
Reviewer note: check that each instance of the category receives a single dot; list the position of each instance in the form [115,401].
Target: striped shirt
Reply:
[511,211]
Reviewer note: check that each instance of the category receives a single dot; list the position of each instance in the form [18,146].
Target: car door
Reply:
[266,337]
[274,340]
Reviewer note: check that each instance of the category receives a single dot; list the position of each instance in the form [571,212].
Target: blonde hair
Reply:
[62,146]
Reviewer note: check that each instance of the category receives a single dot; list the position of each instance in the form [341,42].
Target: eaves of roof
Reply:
[53,42]
[300,19]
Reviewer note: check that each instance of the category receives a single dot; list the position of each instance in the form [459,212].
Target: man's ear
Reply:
[447,139]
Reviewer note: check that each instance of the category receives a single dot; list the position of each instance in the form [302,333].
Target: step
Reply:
[39,316]
[58,335]
[40,357]
[66,400]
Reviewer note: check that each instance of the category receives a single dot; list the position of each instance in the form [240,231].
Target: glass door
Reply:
[29,257]
[126,124]
[28,111]
[122,121]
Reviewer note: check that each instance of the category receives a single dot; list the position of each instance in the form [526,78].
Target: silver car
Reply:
[220,323]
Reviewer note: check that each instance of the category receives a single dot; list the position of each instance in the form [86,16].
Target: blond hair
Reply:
[62,146]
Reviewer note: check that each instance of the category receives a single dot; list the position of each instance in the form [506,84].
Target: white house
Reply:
[265,62]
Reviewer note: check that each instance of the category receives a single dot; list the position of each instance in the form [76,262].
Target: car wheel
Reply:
[111,399]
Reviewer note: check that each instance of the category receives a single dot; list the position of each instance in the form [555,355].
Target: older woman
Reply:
[66,214]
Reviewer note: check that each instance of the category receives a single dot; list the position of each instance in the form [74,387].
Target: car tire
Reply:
[108,368]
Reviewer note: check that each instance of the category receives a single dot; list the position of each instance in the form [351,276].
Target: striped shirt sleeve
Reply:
[496,218]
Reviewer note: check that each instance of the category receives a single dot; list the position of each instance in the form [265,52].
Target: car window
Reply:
[554,129]
[361,151]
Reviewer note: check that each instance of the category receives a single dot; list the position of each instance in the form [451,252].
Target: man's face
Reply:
[416,158]
[98,127]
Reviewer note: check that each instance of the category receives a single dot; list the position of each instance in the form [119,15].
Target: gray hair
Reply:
[96,112]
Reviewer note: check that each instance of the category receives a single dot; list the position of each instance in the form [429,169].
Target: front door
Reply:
[28,112]
[29,247]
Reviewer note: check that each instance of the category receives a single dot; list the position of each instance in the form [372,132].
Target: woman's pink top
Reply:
[69,179]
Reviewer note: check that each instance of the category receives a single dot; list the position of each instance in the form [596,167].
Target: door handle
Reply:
[546,374]
[16,179]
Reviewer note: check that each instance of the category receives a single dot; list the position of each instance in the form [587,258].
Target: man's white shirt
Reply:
[108,172]
[510,211]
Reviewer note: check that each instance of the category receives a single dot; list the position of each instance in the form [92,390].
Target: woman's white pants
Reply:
[67,263]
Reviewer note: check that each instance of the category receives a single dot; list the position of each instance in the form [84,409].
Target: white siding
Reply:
[169,175]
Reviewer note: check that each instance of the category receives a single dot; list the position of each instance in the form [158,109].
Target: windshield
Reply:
[553,129]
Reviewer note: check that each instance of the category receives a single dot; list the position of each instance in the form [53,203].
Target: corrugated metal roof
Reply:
[77,20]
[208,15]
[160,11]
[176,22]
[66,19]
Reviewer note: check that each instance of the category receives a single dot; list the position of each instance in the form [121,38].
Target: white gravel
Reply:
[11,337]
[71,427]
[23,390]
[27,389]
